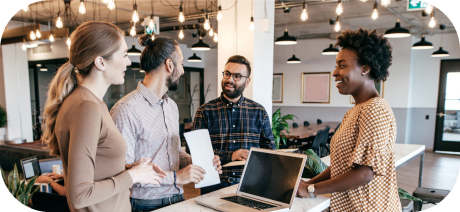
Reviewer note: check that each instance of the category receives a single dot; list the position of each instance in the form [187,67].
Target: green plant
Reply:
[405,195]
[279,123]
[2,117]
[18,189]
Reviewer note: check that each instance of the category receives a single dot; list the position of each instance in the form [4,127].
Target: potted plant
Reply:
[279,123]
[2,123]
[22,191]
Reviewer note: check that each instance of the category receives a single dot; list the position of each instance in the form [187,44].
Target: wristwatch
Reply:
[311,190]
[49,181]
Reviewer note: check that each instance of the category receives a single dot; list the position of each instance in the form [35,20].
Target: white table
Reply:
[403,152]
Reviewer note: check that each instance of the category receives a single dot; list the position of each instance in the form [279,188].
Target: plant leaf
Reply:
[4,178]
[313,165]
[32,193]
[10,180]
[29,187]
[15,180]
[20,189]
[405,195]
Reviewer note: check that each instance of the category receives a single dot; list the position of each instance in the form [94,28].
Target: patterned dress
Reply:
[366,136]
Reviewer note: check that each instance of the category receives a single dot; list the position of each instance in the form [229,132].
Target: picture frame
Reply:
[316,87]
[278,85]
[378,86]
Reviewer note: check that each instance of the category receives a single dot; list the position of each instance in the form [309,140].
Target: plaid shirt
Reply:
[234,126]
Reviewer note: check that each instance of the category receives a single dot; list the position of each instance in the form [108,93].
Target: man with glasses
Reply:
[235,123]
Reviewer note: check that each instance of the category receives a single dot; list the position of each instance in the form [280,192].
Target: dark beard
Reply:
[172,86]
[233,94]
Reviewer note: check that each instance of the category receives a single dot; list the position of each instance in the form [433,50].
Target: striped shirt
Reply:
[150,126]
[234,126]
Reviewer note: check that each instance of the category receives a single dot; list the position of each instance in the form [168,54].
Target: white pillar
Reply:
[235,37]
[15,92]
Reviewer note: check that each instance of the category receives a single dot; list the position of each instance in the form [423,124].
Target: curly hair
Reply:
[371,49]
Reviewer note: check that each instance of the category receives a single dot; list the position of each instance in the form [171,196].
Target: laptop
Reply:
[269,183]
[30,167]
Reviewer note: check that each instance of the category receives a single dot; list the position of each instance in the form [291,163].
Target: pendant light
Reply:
[422,44]
[132,31]
[286,39]
[339,9]
[32,35]
[375,12]
[59,23]
[385,3]
[201,46]
[219,14]
[181,33]
[51,38]
[207,25]
[194,58]
[441,52]
[68,42]
[82,8]
[293,59]
[216,39]
[211,32]
[428,9]
[135,17]
[181,14]
[304,15]
[337,26]
[330,50]
[251,24]
[151,23]
[432,22]
[26,8]
[133,51]
[111,4]
[397,31]
[24,44]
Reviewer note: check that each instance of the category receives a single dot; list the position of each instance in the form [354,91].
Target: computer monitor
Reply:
[30,167]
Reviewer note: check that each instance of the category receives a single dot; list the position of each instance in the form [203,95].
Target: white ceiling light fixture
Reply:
[397,31]
[441,52]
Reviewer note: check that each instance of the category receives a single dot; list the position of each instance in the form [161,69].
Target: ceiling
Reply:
[356,14]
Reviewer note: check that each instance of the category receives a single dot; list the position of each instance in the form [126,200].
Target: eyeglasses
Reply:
[236,76]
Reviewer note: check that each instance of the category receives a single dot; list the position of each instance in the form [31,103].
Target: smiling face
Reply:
[116,65]
[233,89]
[348,73]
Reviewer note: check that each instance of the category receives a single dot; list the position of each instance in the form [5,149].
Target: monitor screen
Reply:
[272,176]
[30,167]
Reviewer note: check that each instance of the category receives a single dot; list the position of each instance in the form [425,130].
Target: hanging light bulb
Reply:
[152,36]
[26,8]
[432,22]
[111,4]
[219,14]
[251,25]
[151,24]
[59,23]
[337,26]
[207,25]
[181,34]
[132,32]
[38,34]
[385,3]
[135,14]
[51,38]
[105,1]
[428,9]
[211,32]
[68,42]
[375,12]
[304,15]
[82,8]
[23,45]
[215,37]
[339,9]
[181,14]
[363,0]
[32,35]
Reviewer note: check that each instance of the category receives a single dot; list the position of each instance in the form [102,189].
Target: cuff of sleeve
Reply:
[125,179]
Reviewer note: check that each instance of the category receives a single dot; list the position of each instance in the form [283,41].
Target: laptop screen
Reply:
[30,167]
[272,176]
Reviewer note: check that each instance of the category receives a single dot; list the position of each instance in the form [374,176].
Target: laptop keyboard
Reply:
[248,202]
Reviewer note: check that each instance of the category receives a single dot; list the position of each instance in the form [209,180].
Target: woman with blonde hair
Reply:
[80,129]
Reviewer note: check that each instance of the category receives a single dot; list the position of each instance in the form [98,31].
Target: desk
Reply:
[302,132]
[403,152]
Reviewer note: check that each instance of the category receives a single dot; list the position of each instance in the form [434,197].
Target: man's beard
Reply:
[235,93]
[172,86]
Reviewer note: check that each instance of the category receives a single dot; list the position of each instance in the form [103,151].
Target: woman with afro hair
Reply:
[362,175]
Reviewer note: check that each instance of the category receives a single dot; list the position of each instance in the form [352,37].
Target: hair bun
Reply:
[145,40]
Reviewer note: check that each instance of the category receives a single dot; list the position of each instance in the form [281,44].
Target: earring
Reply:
[363,74]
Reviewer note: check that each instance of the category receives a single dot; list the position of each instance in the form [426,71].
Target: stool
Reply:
[428,195]
[407,205]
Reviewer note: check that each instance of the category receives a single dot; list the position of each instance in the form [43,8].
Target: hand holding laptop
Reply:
[195,174]
[241,154]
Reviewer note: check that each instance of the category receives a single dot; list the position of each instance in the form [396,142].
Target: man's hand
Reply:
[302,190]
[241,154]
[189,174]
[157,169]
[216,163]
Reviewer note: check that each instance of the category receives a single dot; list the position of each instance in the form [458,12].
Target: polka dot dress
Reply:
[366,136]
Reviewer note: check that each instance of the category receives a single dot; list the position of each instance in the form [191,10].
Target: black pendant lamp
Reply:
[441,52]
[201,46]
[194,58]
[330,50]
[422,44]
[286,39]
[133,51]
[397,31]
[293,60]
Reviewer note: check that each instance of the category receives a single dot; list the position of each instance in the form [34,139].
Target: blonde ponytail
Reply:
[60,88]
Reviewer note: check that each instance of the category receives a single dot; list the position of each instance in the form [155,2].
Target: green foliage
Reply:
[2,117]
[279,122]
[313,166]
[18,189]
[405,195]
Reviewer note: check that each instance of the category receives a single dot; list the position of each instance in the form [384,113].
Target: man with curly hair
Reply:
[362,175]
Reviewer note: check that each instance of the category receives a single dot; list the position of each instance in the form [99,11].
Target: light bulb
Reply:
[337,26]
[59,23]
[152,36]
[25,9]
[135,16]
[32,35]
[428,9]
[38,34]
[206,25]
[363,0]
[23,46]
[339,9]
[251,25]
[215,37]
[181,17]
[304,15]
[105,1]
[111,4]
[219,14]
[82,8]
[132,32]
[385,2]
[375,14]
[432,22]
[151,24]
[211,32]
[51,37]
[68,42]
[181,34]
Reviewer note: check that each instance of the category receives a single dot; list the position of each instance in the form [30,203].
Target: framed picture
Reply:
[277,94]
[378,86]
[316,87]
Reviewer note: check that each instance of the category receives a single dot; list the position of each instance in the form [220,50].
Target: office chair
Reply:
[318,121]
[306,123]
[324,148]
[316,143]
[295,125]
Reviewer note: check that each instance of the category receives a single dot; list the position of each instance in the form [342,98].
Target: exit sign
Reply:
[414,5]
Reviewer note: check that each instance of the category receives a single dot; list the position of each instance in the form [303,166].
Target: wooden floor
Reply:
[440,171]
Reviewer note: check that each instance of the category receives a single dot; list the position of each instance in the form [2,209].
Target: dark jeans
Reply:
[153,204]
[216,187]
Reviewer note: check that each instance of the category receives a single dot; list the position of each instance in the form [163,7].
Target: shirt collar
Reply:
[227,102]
[150,96]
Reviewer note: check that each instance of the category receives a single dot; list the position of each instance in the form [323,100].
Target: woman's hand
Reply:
[55,176]
[43,179]
[302,190]
[146,172]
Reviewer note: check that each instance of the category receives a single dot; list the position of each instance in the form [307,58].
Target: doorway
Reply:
[447,134]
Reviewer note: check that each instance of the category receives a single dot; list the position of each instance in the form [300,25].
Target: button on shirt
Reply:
[150,126]
[234,126]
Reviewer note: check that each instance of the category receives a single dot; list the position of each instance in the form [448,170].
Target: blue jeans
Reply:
[153,204]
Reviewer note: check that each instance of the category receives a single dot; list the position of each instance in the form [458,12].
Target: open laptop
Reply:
[30,167]
[269,183]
